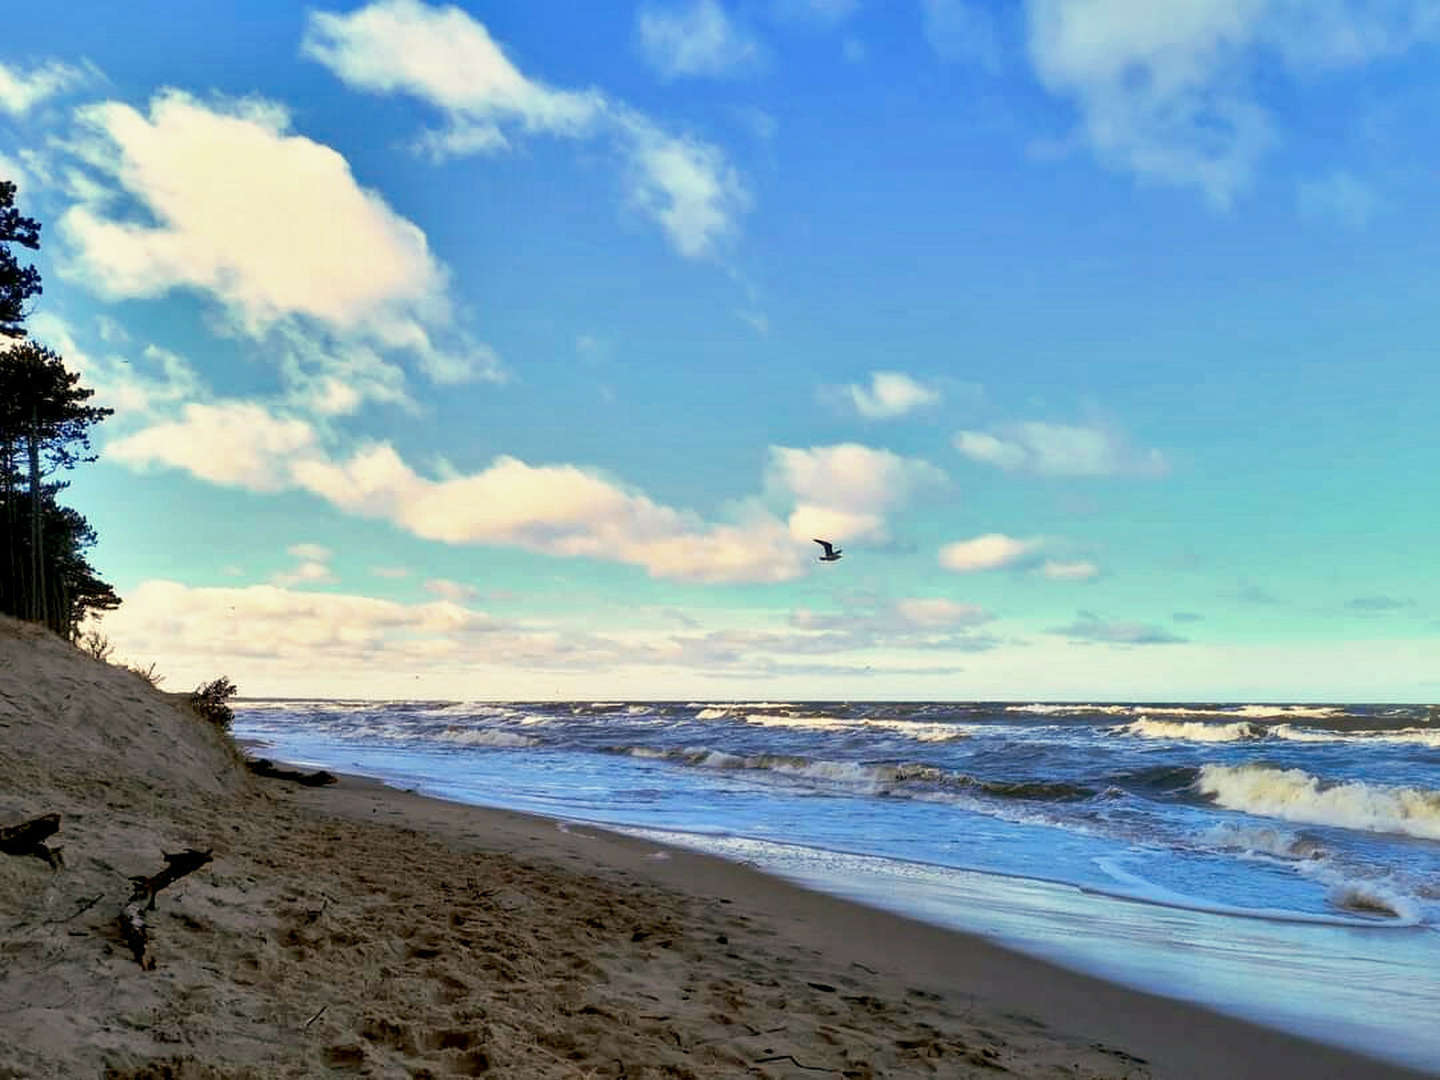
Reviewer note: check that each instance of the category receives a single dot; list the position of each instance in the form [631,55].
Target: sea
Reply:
[1275,862]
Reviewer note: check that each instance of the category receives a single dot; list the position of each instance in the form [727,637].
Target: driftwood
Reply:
[28,838]
[142,899]
[267,768]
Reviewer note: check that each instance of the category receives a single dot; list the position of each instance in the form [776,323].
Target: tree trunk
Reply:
[10,587]
[37,533]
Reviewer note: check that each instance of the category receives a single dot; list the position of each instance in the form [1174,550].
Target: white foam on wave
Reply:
[1262,840]
[1295,795]
[1414,736]
[1191,730]
[1053,710]
[712,714]
[1235,712]
[485,737]
[807,722]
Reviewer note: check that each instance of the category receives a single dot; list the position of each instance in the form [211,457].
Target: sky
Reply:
[520,351]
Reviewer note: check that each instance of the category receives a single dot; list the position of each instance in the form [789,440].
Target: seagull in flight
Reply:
[832,553]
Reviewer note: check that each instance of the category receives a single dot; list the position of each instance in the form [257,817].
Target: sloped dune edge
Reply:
[361,930]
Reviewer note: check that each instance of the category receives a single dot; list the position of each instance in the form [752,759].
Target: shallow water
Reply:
[1276,862]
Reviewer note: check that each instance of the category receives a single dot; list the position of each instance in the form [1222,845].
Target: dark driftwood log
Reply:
[28,838]
[142,899]
[176,867]
[267,768]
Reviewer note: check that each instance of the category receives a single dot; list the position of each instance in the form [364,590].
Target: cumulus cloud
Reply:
[1089,627]
[272,225]
[694,40]
[21,90]
[1168,91]
[1058,450]
[890,394]
[991,551]
[562,510]
[448,59]
[844,492]
[234,444]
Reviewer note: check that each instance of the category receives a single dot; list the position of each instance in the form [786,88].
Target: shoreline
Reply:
[1173,1038]
[360,929]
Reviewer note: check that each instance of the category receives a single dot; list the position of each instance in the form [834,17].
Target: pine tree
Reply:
[17,283]
[43,416]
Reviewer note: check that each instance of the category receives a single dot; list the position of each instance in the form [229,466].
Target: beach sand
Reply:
[356,929]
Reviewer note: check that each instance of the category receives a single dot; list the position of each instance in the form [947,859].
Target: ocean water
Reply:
[1280,863]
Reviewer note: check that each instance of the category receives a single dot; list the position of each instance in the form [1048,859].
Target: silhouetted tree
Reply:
[17,283]
[45,421]
[44,427]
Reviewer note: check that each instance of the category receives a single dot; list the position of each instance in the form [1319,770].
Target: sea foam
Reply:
[1295,795]
[1191,730]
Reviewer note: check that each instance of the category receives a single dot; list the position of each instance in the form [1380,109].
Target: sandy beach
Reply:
[359,929]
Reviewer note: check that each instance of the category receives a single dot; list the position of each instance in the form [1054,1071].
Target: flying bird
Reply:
[832,553]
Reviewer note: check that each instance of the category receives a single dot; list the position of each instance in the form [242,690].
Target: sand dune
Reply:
[360,930]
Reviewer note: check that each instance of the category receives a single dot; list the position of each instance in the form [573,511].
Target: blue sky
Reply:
[511,350]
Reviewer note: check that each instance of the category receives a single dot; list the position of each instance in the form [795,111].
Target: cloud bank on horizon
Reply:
[1010,300]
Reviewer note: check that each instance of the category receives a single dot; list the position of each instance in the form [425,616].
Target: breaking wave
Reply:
[1295,795]
[882,779]
[1192,730]
[1415,736]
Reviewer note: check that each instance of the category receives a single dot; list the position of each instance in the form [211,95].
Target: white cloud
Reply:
[1069,571]
[449,59]
[312,552]
[843,492]
[20,91]
[562,510]
[217,626]
[1167,91]
[272,224]
[234,443]
[683,184]
[454,591]
[306,573]
[890,394]
[445,56]
[1058,450]
[274,227]
[697,39]
[133,386]
[988,552]
[938,611]
[1338,196]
